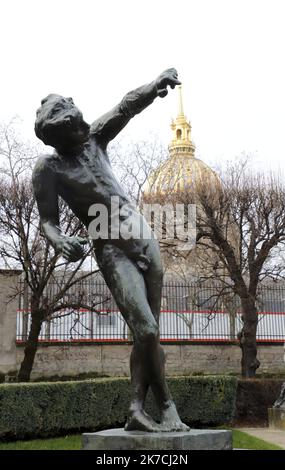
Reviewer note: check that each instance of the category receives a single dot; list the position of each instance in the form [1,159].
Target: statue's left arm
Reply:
[110,124]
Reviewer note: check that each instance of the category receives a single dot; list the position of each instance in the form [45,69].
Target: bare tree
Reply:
[241,224]
[23,246]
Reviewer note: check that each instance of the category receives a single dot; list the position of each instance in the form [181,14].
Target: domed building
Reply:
[182,171]
[176,181]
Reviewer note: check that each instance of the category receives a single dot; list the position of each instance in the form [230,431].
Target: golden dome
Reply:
[179,173]
[182,171]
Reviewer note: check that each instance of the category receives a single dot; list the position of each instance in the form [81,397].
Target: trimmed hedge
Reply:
[49,409]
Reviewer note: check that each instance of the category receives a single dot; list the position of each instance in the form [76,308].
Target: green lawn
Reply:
[72,442]
[241,440]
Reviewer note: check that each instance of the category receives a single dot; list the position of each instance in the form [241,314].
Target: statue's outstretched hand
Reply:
[72,248]
[168,77]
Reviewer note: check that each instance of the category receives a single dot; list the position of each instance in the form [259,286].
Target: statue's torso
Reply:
[87,179]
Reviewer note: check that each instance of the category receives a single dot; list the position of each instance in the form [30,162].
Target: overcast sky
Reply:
[229,55]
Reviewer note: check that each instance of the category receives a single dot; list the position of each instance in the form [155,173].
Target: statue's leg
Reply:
[170,419]
[128,288]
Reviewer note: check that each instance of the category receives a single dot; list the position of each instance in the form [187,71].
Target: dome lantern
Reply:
[181,132]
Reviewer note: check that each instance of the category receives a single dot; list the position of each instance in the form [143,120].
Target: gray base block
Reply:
[195,439]
[276,418]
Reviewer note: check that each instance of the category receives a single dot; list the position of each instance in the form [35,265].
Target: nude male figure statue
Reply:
[79,171]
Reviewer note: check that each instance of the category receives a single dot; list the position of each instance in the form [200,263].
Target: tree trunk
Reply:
[232,313]
[247,339]
[31,345]
[232,316]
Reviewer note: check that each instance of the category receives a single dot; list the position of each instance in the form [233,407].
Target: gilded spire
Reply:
[180,104]
[181,140]
[181,171]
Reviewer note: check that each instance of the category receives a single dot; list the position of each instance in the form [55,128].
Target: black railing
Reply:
[190,313]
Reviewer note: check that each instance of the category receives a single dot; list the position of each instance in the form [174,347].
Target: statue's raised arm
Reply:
[110,124]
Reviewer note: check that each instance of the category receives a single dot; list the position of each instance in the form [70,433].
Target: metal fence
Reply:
[190,313]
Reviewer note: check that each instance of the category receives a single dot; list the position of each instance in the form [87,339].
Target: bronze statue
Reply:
[79,171]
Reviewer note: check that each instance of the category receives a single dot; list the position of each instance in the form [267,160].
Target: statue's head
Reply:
[59,123]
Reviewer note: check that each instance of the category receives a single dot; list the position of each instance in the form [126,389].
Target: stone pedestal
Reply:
[276,418]
[195,439]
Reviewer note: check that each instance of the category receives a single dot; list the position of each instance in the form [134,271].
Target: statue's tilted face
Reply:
[60,123]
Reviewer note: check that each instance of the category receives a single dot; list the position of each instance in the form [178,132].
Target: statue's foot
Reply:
[170,420]
[139,420]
